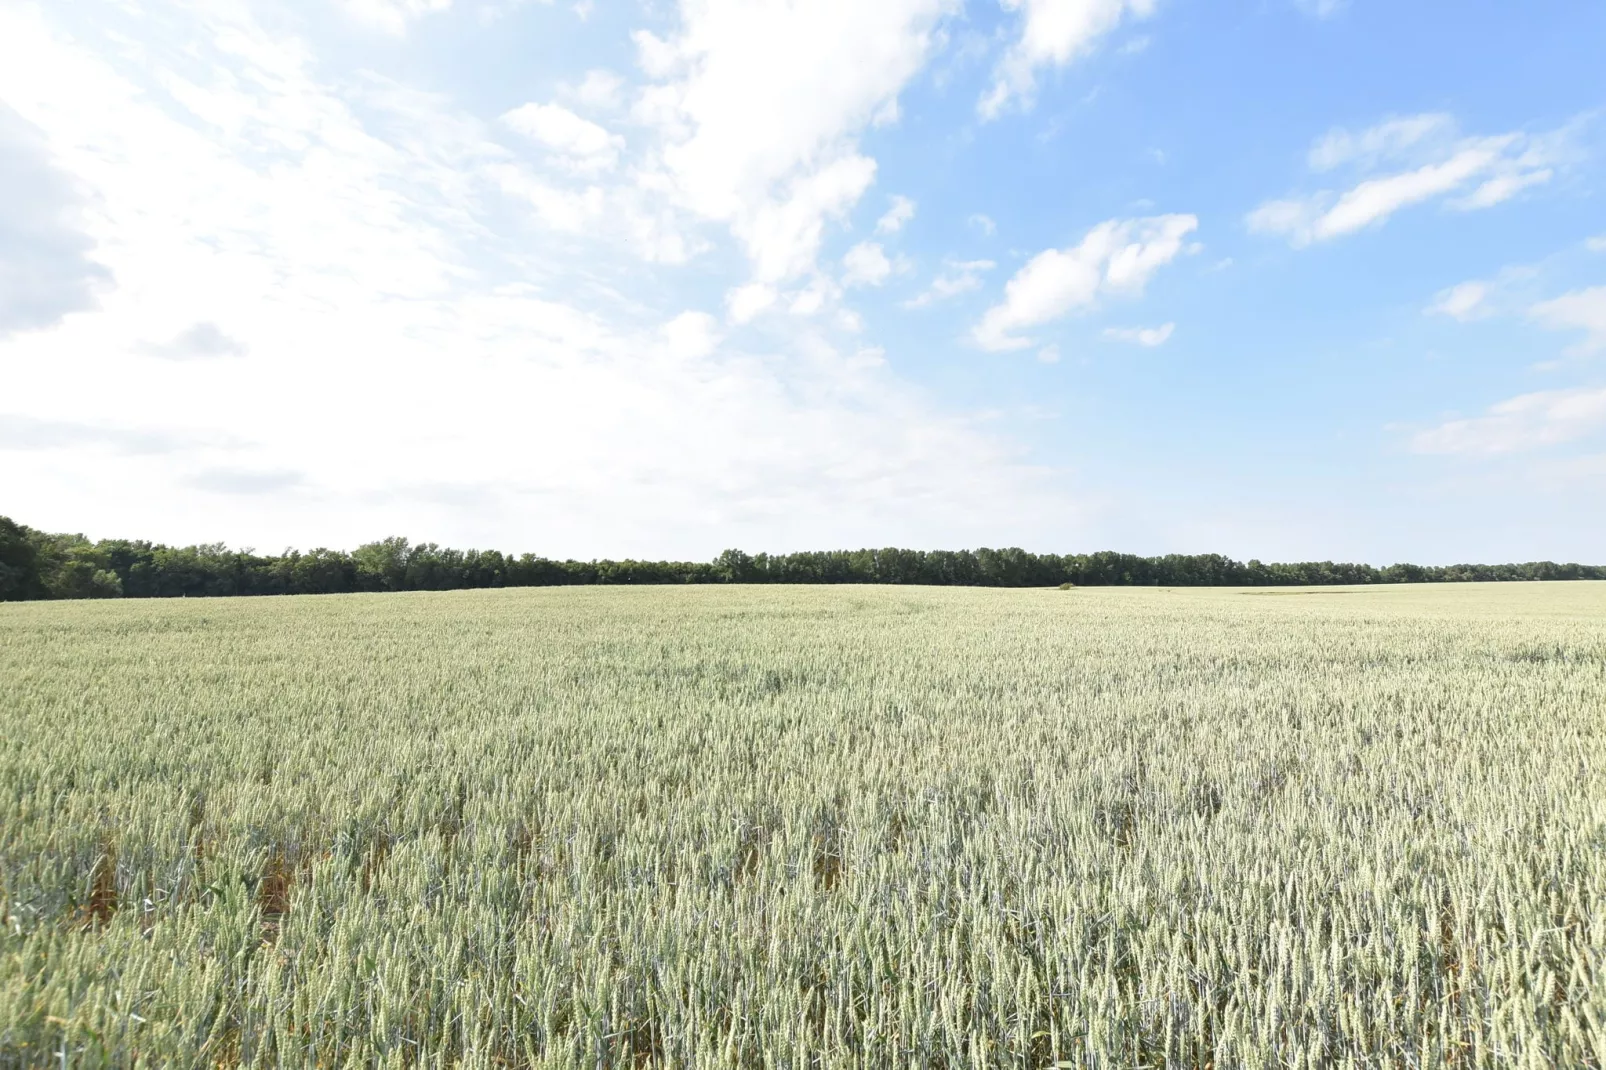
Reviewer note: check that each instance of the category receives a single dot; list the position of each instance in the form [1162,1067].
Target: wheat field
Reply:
[807,827]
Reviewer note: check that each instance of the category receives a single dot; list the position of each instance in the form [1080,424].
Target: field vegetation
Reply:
[807,827]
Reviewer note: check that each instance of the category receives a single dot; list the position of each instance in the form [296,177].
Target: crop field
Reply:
[807,827]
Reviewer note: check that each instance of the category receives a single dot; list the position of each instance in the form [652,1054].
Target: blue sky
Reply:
[1290,278]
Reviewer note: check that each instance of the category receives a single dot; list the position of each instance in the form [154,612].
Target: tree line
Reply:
[36,564]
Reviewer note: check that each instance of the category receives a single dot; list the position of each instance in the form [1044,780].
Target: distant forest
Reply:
[36,564]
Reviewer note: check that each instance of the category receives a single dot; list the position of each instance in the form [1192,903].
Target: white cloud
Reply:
[1437,164]
[783,236]
[393,16]
[1385,140]
[1117,257]
[692,335]
[568,210]
[581,142]
[957,277]
[1049,354]
[1502,188]
[983,225]
[1052,33]
[1596,244]
[1581,310]
[893,220]
[1464,301]
[365,252]
[745,302]
[813,297]
[599,90]
[760,105]
[1509,290]
[1529,421]
[1142,336]
[866,264]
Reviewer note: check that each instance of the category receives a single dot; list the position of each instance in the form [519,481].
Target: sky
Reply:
[1286,279]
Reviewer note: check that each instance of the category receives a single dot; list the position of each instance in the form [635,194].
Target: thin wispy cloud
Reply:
[957,277]
[1580,310]
[1527,422]
[1148,337]
[1321,9]
[1516,291]
[1463,301]
[897,216]
[393,16]
[27,434]
[1403,162]
[599,90]
[245,481]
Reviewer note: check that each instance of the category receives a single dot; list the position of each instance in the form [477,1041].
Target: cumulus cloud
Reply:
[1116,258]
[760,106]
[957,277]
[866,264]
[1053,33]
[783,236]
[893,220]
[364,251]
[1526,422]
[745,302]
[692,335]
[813,297]
[1149,337]
[1580,310]
[46,267]
[580,142]
[1423,160]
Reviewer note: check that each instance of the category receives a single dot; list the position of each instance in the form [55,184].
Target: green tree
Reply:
[734,566]
[19,562]
[382,565]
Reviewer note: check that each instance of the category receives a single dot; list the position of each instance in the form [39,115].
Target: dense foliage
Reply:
[34,564]
[807,828]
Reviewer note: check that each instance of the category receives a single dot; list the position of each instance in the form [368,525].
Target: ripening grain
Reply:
[807,827]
